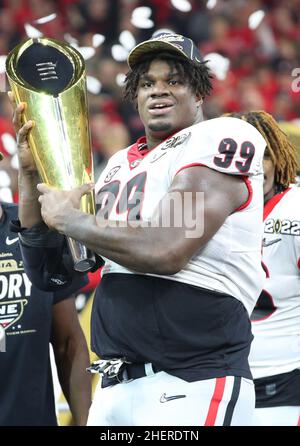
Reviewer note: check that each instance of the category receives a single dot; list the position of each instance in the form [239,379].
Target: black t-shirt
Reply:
[187,331]
[26,388]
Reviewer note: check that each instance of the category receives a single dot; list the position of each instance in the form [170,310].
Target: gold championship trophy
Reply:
[50,77]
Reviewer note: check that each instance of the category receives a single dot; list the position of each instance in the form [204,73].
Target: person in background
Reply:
[275,351]
[31,319]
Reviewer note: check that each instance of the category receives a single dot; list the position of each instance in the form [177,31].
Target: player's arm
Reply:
[157,250]
[72,358]
[46,258]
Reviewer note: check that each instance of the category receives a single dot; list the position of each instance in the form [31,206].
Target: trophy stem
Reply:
[83,258]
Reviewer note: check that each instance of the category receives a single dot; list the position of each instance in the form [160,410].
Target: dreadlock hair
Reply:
[282,153]
[197,74]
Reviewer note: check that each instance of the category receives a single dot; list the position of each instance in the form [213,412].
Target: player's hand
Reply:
[26,162]
[57,205]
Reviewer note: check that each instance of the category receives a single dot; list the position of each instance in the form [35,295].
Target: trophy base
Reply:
[85,265]
[83,259]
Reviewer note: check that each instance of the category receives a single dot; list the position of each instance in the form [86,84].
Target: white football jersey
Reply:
[276,318]
[231,261]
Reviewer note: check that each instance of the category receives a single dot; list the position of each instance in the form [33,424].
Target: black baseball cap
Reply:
[170,42]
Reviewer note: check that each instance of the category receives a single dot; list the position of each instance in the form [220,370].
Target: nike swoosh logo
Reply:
[271,242]
[10,241]
[164,398]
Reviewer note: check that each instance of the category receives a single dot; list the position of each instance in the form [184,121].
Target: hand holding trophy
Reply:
[49,76]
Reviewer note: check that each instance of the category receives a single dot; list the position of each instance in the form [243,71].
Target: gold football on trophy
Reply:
[49,76]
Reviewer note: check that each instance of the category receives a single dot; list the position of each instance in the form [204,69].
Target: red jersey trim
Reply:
[246,180]
[269,206]
[250,194]
[189,165]
[266,269]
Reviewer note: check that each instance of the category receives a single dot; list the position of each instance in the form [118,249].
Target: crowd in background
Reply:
[260,75]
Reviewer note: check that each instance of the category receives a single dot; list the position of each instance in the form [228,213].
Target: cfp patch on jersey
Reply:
[111,173]
[285,227]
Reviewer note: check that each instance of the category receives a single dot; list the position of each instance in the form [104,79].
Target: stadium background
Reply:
[253,48]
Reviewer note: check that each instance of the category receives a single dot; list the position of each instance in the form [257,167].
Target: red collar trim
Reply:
[269,206]
[135,154]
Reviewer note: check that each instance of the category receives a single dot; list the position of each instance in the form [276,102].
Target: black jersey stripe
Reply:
[233,400]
